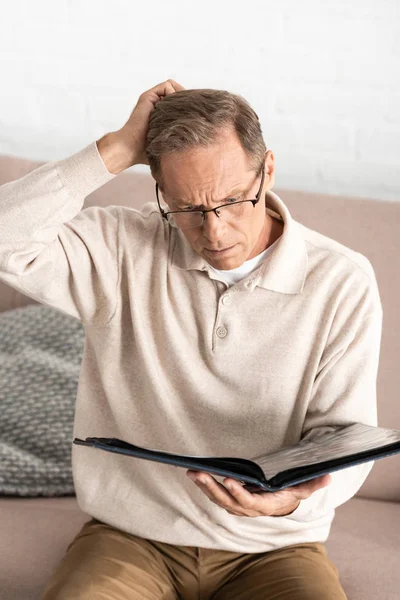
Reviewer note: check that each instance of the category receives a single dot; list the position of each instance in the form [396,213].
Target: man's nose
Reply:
[213,227]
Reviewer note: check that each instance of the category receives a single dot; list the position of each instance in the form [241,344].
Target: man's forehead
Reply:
[219,191]
[215,171]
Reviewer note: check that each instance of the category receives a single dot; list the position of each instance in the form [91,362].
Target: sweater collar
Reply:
[284,270]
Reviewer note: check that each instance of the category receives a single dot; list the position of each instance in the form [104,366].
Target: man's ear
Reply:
[270,169]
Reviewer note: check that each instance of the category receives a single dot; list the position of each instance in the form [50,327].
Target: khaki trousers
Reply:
[103,563]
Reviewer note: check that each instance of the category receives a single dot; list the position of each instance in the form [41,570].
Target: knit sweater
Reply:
[178,361]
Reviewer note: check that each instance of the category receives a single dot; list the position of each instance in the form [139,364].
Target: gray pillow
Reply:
[40,357]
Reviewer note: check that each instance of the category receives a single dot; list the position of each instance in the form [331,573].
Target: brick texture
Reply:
[324,78]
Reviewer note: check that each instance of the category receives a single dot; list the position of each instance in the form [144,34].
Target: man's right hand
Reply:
[126,147]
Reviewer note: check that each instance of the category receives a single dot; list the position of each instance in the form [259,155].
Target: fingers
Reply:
[304,490]
[245,498]
[177,87]
[170,86]
[132,135]
[235,500]
[148,100]
[212,488]
[315,484]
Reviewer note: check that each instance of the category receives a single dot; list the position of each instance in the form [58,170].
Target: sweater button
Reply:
[222,332]
[226,300]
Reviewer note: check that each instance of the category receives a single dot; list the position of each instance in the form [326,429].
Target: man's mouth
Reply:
[219,252]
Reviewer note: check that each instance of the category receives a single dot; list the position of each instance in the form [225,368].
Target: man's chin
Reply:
[224,261]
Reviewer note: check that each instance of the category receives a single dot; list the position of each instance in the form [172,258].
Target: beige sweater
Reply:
[174,360]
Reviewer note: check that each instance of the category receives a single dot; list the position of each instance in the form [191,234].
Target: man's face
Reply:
[204,178]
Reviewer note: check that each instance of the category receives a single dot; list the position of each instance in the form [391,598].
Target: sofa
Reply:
[365,538]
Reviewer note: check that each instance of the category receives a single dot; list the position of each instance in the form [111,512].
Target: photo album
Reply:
[330,451]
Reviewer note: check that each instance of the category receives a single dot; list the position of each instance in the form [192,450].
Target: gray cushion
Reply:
[40,356]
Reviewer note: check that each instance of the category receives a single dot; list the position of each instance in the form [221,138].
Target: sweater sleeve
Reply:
[52,252]
[344,392]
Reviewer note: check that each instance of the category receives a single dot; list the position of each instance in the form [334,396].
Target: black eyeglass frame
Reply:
[254,201]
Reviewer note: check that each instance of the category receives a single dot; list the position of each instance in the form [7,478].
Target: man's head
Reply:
[205,148]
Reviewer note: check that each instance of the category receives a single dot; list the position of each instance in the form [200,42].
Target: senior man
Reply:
[215,324]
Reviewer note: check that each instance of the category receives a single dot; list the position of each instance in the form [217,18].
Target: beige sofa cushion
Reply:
[368,226]
[363,544]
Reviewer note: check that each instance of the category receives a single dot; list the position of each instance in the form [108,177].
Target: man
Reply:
[214,325]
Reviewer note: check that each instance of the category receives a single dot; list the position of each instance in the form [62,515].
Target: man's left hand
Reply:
[236,500]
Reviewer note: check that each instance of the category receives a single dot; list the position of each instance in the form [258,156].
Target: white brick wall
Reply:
[324,77]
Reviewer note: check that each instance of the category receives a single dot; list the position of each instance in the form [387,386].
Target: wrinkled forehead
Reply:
[212,172]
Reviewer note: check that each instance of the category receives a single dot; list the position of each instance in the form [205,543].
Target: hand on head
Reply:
[134,132]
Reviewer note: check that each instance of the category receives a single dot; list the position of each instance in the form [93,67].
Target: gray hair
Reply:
[191,118]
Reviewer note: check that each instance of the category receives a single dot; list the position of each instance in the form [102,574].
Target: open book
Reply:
[326,452]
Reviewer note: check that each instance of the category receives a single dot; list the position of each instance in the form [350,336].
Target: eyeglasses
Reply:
[186,219]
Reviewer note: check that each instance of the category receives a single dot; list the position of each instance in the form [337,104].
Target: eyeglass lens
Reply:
[228,213]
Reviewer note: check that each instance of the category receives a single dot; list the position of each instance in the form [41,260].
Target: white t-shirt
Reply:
[232,276]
